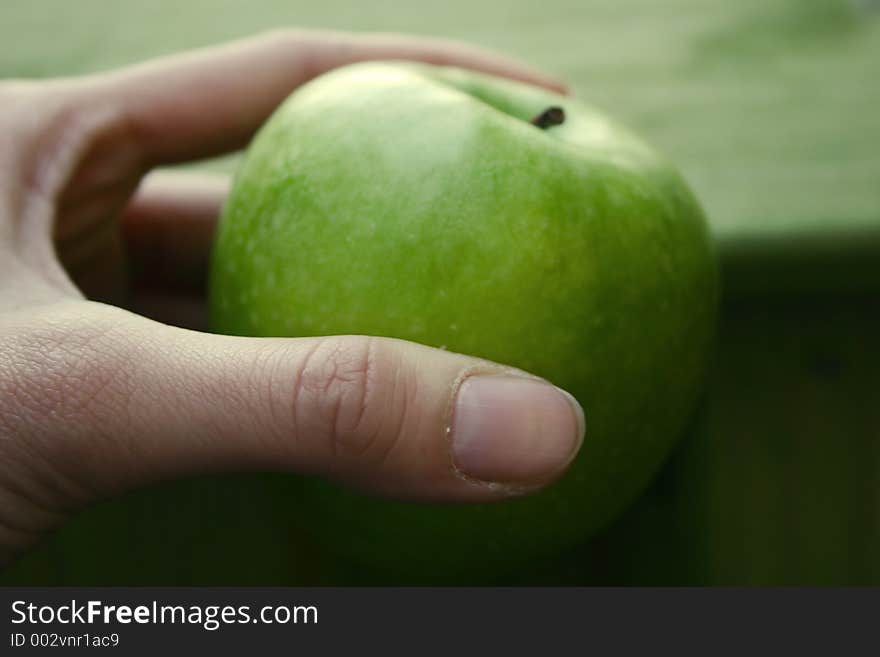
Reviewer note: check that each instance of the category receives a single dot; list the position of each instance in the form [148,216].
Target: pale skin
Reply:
[108,380]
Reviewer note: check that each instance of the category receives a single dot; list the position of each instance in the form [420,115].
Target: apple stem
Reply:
[549,117]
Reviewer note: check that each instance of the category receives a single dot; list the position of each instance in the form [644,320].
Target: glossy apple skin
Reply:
[401,200]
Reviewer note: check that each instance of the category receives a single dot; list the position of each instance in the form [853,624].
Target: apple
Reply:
[490,218]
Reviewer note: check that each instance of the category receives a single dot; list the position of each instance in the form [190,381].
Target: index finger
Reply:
[211,101]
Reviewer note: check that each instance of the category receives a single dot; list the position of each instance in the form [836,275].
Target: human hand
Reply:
[96,399]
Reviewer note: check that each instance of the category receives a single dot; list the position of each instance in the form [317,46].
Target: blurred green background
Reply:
[772,110]
[771,107]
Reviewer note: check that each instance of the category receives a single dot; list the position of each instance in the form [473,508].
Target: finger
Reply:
[168,229]
[211,101]
[142,402]
[440,52]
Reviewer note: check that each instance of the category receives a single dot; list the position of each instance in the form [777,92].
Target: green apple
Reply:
[491,218]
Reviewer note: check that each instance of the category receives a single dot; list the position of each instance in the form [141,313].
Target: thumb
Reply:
[135,401]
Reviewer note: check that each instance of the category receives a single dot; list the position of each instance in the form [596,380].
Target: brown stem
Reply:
[549,117]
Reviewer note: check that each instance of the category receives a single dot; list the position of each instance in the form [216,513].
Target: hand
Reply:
[96,399]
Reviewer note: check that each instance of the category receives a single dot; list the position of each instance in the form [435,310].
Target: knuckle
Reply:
[345,396]
[63,399]
[304,47]
[13,90]
[67,366]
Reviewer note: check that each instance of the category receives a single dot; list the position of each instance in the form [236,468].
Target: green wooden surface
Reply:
[772,109]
